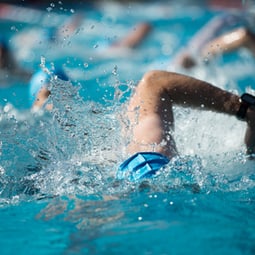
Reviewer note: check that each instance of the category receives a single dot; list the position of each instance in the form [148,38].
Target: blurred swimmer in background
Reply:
[38,86]
[39,90]
[122,46]
[224,33]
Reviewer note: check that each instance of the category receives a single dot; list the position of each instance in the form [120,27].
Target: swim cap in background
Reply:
[41,79]
[141,165]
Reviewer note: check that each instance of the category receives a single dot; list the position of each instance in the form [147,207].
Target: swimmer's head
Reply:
[41,79]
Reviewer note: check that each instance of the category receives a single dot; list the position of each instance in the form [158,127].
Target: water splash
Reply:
[76,148]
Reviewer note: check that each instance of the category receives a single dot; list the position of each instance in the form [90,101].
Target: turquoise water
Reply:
[58,192]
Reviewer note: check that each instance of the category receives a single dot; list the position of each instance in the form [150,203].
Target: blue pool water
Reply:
[58,192]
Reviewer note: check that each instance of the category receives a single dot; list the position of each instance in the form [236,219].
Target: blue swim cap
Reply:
[141,165]
[41,79]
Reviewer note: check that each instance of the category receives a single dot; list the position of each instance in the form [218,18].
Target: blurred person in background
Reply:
[224,33]
[39,84]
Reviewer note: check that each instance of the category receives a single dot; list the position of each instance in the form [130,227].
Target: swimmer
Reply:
[151,122]
[241,37]
[38,87]
[224,33]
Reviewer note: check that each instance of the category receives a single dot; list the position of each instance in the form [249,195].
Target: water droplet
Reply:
[2,171]
[115,69]
[13,28]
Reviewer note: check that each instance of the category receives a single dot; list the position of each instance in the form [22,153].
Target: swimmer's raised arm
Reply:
[150,109]
[135,37]
[228,42]
[206,43]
